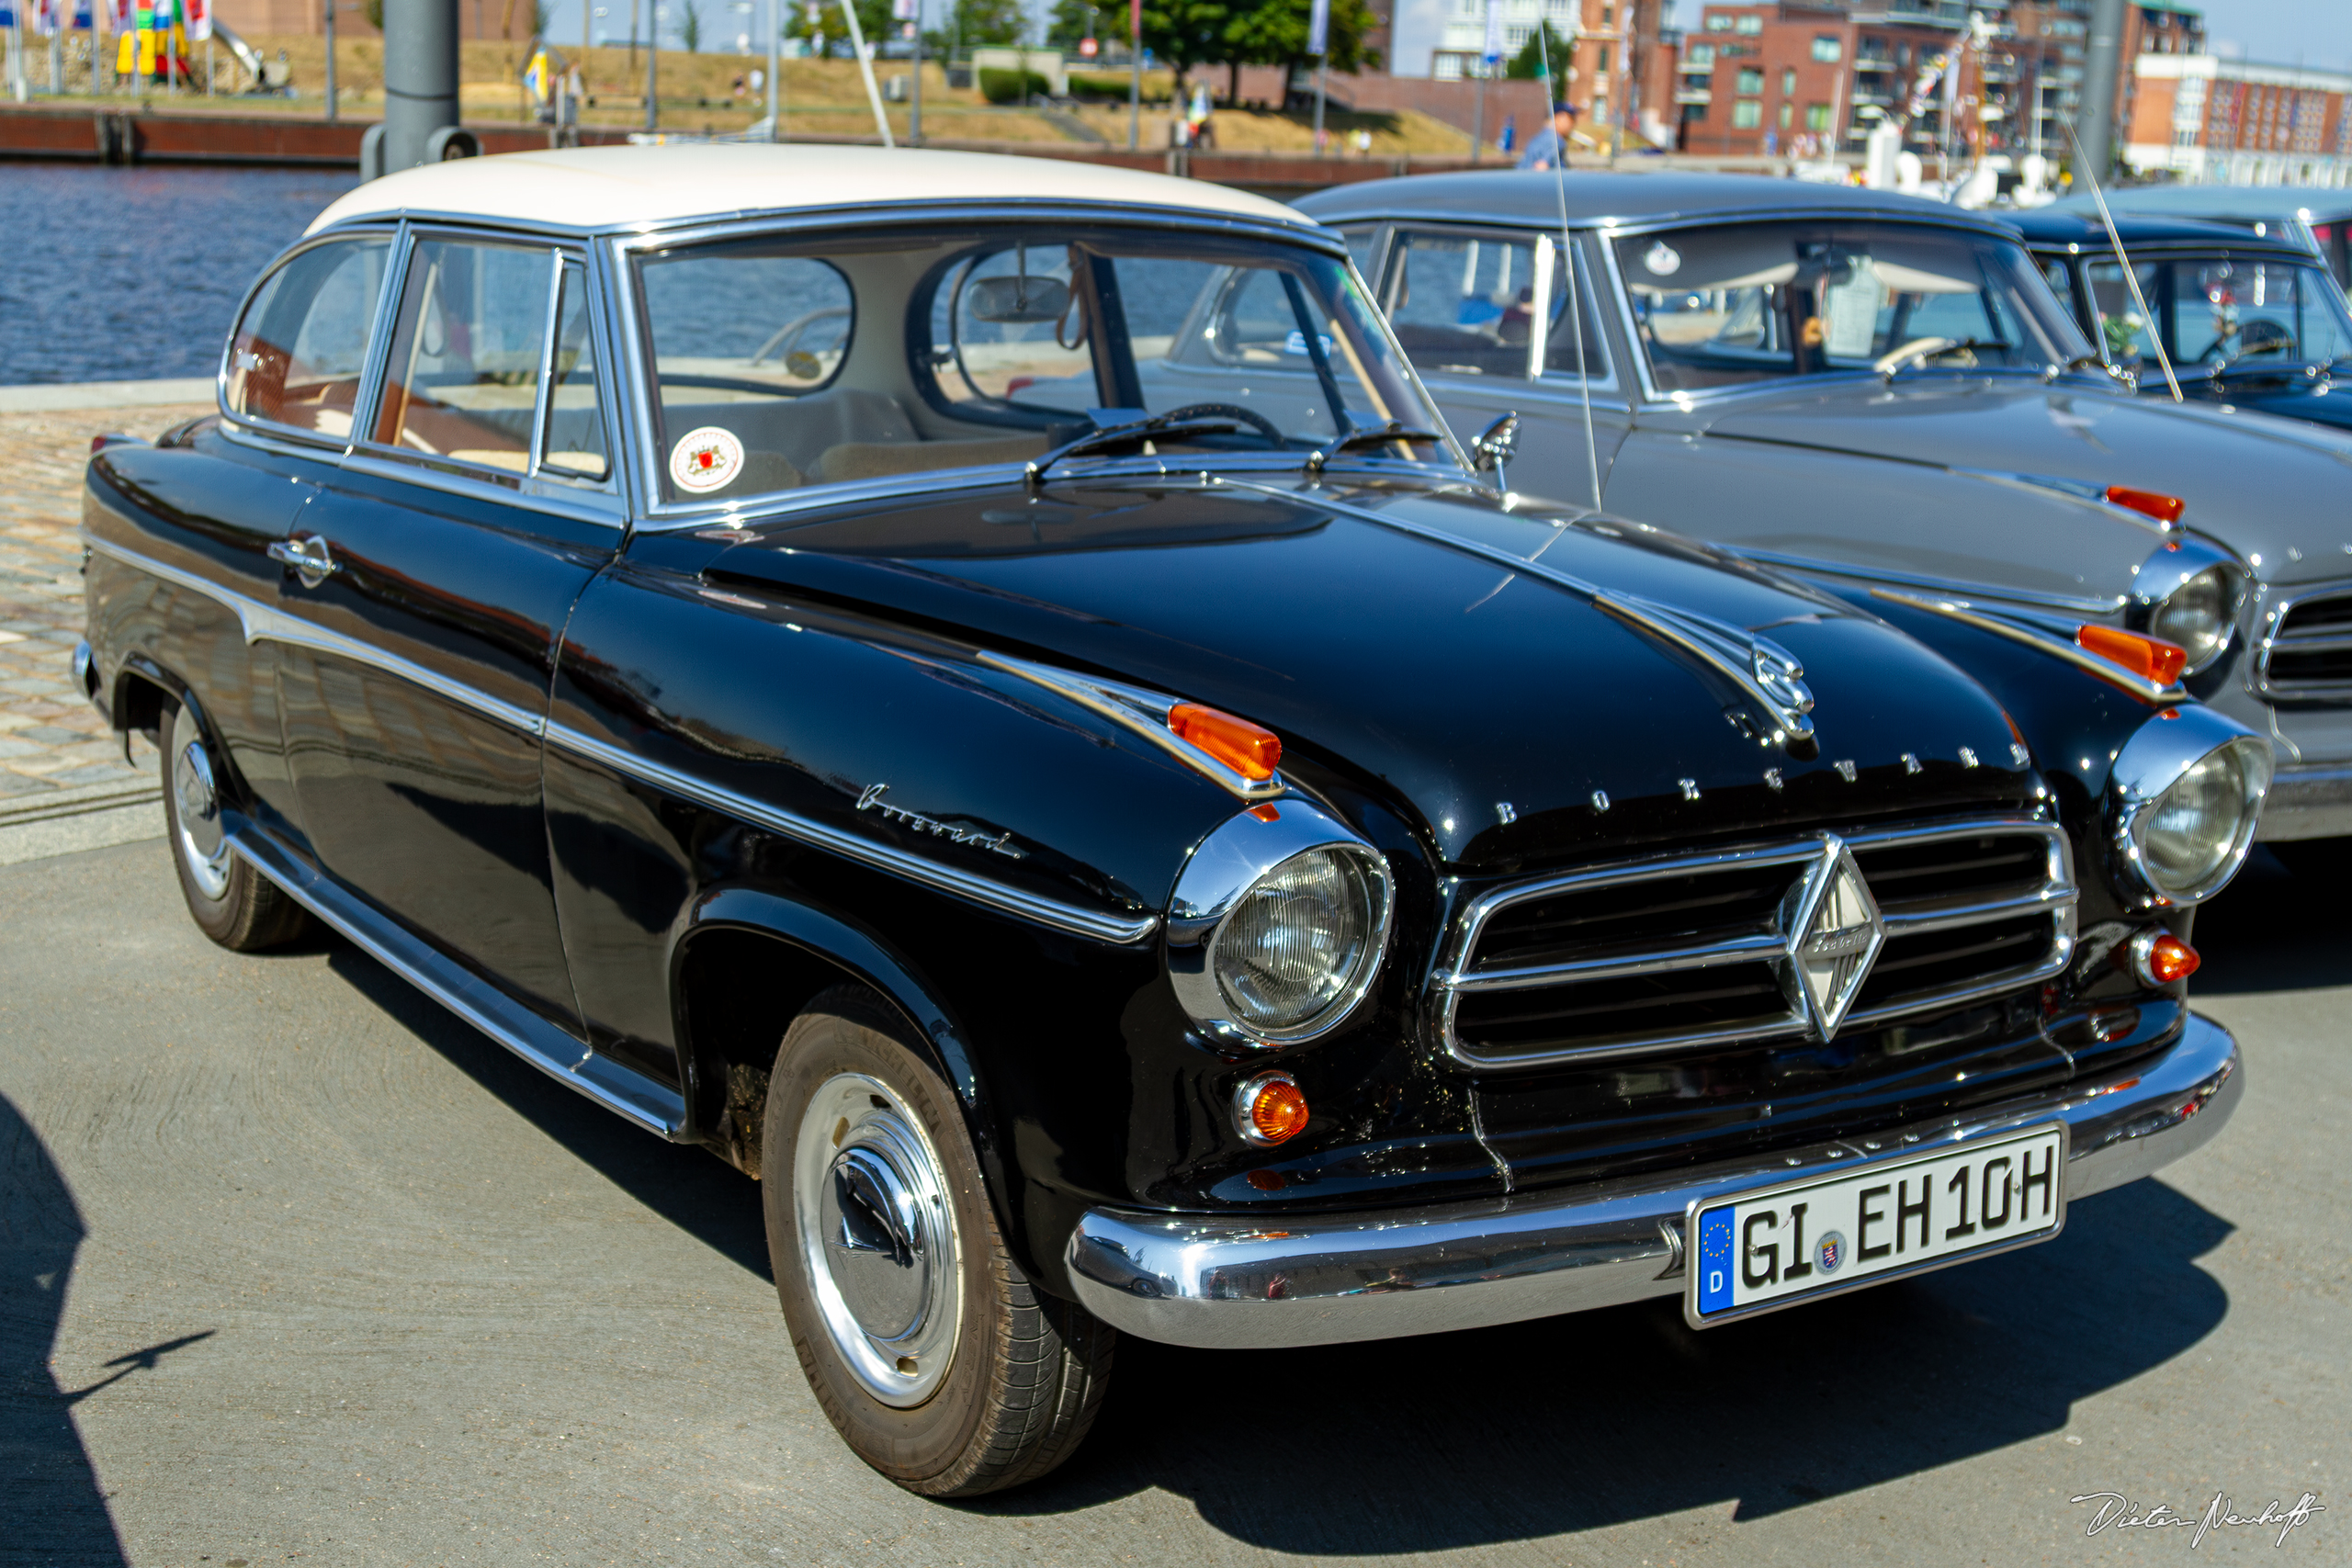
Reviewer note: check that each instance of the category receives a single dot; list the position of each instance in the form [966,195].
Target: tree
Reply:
[982,23]
[690,26]
[1076,19]
[1275,33]
[1527,65]
[819,21]
[1182,34]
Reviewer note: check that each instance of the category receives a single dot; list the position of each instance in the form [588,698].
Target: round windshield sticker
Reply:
[706,460]
[1662,259]
[803,364]
[1830,1252]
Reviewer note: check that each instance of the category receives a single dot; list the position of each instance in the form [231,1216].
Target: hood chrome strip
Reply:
[2090,663]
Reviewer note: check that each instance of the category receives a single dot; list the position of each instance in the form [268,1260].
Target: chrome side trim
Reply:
[1277,1277]
[1704,641]
[2080,607]
[2090,663]
[261,622]
[2278,637]
[1122,930]
[1139,712]
[266,623]
[642,1100]
[2057,896]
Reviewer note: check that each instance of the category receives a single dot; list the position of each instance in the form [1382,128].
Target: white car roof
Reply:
[632,187]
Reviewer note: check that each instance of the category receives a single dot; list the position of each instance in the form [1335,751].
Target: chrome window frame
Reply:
[1608,390]
[652,513]
[2059,896]
[310,442]
[1609,233]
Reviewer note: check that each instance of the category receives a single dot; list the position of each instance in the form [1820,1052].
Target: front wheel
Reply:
[932,1352]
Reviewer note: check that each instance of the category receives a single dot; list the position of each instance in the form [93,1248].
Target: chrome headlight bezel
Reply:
[1238,855]
[2160,754]
[2169,571]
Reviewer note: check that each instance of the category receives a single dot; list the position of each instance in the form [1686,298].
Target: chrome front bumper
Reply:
[2312,800]
[1247,1282]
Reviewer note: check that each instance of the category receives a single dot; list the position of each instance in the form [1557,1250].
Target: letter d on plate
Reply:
[1715,1249]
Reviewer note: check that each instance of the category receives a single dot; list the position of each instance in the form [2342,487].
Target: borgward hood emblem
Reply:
[1835,934]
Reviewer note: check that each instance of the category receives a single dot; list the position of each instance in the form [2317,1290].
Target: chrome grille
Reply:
[2308,651]
[1678,954]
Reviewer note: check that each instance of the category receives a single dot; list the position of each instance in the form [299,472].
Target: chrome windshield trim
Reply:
[2115,675]
[1120,930]
[266,623]
[2087,608]
[1707,641]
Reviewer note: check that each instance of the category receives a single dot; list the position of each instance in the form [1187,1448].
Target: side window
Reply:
[2123,332]
[572,443]
[1477,305]
[1363,244]
[748,349]
[298,354]
[462,380]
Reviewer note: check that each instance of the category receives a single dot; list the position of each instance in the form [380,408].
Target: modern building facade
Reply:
[2207,120]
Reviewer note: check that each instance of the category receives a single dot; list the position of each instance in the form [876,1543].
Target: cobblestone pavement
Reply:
[50,737]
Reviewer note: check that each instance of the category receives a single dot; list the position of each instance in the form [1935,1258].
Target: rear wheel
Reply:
[934,1355]
[232,903]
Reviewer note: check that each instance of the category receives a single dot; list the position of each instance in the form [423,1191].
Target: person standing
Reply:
[1550,145]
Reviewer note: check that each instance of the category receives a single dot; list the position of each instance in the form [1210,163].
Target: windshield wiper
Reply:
[1119,434]
[1367,435]
[1926,348]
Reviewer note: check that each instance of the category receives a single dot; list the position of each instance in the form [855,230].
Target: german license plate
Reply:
[1773,1247]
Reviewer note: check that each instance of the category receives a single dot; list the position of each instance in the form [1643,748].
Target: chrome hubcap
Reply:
[203,841]
[877,1236]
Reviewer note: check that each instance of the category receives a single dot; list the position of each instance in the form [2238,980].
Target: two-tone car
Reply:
[1883,393]
[1209,864]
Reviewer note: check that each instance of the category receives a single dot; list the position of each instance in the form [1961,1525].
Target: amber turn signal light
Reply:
[1270,1109]
[2152,656]
[2165,509]
[2160,958]
[1248,750]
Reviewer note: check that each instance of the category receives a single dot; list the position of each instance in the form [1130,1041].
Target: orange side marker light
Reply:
[2165,509]
[1270,1108]
[2152,656]
[1248,749]
[2163,959]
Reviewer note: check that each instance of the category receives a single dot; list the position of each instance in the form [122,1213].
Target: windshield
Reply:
[1735,304]
[2220,313]
[785,362]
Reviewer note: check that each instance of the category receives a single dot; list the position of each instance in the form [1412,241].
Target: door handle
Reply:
[310,558]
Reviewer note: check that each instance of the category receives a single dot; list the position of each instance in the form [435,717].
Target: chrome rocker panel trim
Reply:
[653,1106]
[1261,1281]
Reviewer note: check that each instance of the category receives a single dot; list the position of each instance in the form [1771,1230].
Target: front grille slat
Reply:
[2309,651]
[1666,956]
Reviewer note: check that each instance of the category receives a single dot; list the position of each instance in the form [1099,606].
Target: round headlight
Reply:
[1299,942]
[2189,815]
[1277,925]
[2201,615]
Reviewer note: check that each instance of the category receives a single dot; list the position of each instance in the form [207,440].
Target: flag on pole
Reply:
[1494,50]
[199,19]
[1318,29]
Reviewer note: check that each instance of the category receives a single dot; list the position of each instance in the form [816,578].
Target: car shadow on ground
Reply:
[52,1508]
[2270,930]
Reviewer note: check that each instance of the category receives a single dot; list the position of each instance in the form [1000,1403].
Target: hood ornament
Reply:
[1835,935]
[1766,673]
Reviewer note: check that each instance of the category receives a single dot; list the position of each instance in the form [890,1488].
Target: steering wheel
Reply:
[1258,422]
[2255,339]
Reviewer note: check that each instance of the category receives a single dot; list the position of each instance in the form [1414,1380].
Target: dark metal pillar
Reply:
[420,78]
[2094,119]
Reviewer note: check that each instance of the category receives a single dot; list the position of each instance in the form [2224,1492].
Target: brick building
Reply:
[2234,122]
[1614,55]
[1810,76]
[476,18]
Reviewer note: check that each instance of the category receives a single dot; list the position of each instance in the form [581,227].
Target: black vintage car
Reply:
[980,691]
[2247,322]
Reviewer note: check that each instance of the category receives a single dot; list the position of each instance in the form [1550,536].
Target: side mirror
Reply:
[1497,445]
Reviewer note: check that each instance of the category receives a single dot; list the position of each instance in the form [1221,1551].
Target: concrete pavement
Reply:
[295,1268]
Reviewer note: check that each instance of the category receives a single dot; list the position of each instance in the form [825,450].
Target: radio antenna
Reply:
[2131,278]
[1569,250]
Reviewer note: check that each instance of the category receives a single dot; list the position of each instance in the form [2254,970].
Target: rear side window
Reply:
[296,357]
[1479,305]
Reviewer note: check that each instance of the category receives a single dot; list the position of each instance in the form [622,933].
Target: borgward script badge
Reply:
[1835,934]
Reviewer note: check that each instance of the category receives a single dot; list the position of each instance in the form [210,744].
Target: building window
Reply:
[1816,117]
[1719,24]
[1751,25]
[1609,15]
[1747,113]
[1698,57]
[1751,81]
[1828,50]
[1788,113]
[1601,62]
[1788,82]
[1600,108]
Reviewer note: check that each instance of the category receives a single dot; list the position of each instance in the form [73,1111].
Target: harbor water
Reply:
[133,273]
